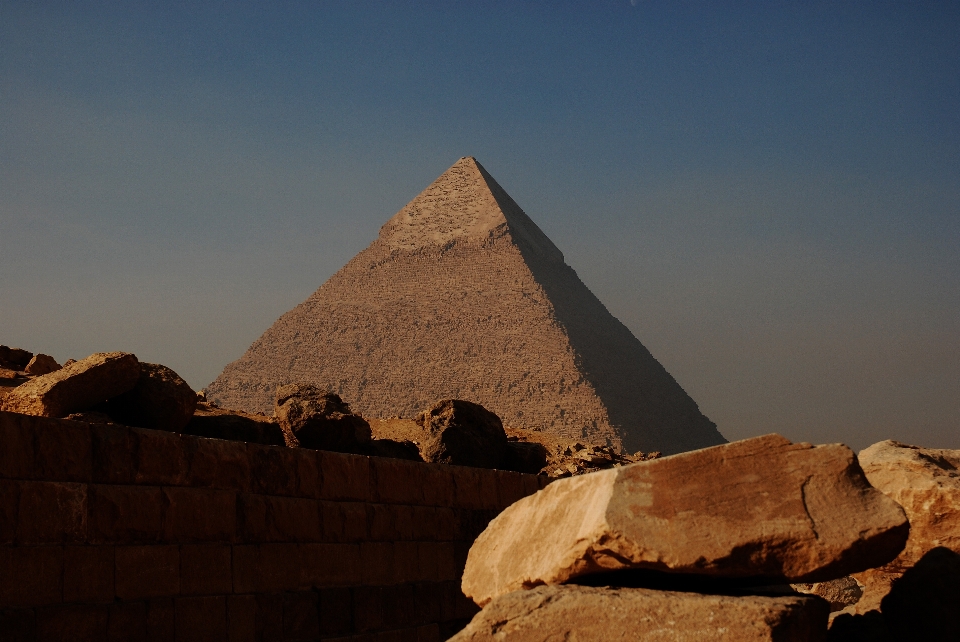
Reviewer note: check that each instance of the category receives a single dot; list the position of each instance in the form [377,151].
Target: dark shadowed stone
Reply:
[525,457]
[220,423]
[319,419]
[393,449]
[462,433]
[161,400]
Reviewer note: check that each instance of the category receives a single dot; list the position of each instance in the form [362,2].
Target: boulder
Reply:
[588,614]
[926,483]
[6,373]
[761,508]
[525,457]
[315,418]
[234,425]
[462,433]
[160,400]
[41,364]
[14,358]
[76,387]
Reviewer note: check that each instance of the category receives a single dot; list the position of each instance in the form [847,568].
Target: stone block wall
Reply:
[114,533]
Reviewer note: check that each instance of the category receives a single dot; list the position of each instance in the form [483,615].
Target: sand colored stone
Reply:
[462,296]
[161,400]
[926,483]
[75,387]
[761,508]
[41,364]
[588,614]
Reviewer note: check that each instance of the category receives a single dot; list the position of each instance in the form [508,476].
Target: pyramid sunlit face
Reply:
[463,296]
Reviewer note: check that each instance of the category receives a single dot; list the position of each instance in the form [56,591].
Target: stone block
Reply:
[161,459]
[406,562]
[201,619]
[428,561]
[336,609]
[161,620]
[490,490]
[398,606]
[18,455]
[63,450]
[591,614]
[52,513]
[355,524]
[113,454]
[241,618]
[273,470]
[439,488]
[217,463]
[147,571]
[325,565]
[199,515]
[468,487]
[18,625]
[9,507]
[269,617]
[425,523]
[205,569]
[398,481]
[367,608]
[88,574]
[31,576]
[246,568]
[279,567]
[427,599]
[126,621]
[346,477]
[124,514]
[80,623]
[510,487]
[308,473]
[377,563]
[301,616]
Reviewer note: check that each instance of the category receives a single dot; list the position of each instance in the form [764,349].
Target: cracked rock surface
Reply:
[764,509]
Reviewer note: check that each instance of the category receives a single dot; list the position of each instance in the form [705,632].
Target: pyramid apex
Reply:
[464,203]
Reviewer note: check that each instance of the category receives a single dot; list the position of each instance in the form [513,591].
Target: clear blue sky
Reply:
[767,194]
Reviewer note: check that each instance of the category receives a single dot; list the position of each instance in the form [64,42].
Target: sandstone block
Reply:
[761,508]
[589,614]
[42,364]
[462,433]
[525,457]
[392,449]
[926,483]
[76,387]
[314,418]
[160,400]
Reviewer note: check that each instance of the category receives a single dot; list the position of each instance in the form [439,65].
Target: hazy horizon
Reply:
[767,195]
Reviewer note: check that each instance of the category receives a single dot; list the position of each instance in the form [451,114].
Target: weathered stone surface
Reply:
[588,614]
[42,364]
[926,483]
[221,423]
[6,373]
[761,508]
[76,387]
[840,593]
[14,358]
[462,296]
[462,433]
[161,400]
[315,418]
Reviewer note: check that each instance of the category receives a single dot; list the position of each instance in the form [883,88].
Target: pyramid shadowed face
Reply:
[462,296]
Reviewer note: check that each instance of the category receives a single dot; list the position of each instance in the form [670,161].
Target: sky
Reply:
[766,193]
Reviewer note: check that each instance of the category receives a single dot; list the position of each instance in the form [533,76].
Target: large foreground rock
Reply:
[926,483]
[463,433]
[76,387]
[315,418]
[161,400]
[588,614]
[761,508]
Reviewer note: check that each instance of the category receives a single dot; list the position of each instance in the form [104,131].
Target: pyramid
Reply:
[463,296]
